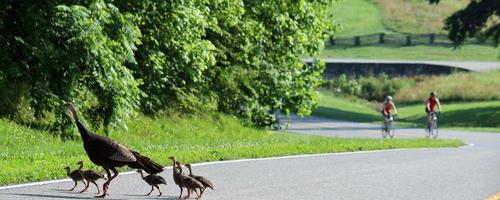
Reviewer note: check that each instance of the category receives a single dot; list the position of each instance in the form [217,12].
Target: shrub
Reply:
[372,88]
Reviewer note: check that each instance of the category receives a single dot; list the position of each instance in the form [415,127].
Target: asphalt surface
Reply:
[468,65]
[469,172]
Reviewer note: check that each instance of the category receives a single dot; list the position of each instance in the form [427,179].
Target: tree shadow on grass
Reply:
[487,117]
[338,114]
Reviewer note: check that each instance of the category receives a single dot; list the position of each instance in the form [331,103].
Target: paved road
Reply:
[471,172]
[468,65]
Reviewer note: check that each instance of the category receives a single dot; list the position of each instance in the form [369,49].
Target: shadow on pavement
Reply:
[336,129]
[151,196]
[49,196]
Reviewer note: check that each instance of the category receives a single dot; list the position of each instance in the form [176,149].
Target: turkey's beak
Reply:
[68,108]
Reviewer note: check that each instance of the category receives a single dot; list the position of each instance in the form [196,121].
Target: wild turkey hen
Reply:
[109,154]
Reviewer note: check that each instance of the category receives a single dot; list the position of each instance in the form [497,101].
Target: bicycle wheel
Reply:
[434,130]
[428,130]
[390,129]
[384,129]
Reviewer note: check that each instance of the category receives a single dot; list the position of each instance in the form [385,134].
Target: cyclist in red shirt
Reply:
[388,106]
[432,102]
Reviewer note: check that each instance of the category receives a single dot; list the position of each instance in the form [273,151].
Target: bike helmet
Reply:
[388,98]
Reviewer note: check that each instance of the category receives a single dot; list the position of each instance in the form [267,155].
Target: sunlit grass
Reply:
[28,155]
[456,87]
[421,52]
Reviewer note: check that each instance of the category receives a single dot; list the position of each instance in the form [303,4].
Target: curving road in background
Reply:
[469,172]
[479,66]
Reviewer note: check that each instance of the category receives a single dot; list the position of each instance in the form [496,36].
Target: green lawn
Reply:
[471,115]
[28,155]
[479,116]
[417,16]
[475,86]
[343,108]
[421,52]
[358,17]
[361,17]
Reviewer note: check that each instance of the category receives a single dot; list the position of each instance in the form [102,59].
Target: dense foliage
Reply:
[113,58]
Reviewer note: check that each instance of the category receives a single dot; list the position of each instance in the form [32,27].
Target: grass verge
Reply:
[421,52]
[28,155]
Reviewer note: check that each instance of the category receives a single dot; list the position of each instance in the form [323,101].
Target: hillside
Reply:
[362,17]
[417,16]
[358,17]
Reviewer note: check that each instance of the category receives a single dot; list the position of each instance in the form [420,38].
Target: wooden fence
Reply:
[398,39]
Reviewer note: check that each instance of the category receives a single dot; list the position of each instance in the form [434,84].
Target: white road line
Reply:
[221,162]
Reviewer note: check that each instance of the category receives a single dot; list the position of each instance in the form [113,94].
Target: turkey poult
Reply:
[189,183]
[91,176]
[176,174]
[109,154]
[75,175]
[153,180]
[206,183]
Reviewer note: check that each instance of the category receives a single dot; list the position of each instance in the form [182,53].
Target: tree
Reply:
[478,19]
[54,53]
[114,58]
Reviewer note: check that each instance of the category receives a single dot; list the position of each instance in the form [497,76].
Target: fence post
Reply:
[408,40]
[381,38]
[357,41]
[332,41]
[431,38]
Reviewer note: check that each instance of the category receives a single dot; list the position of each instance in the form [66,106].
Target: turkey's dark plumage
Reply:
[206,183]
[109,154]
[75,175]
[153,180]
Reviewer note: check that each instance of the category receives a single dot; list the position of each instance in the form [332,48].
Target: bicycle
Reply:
[432,126]
[388,126]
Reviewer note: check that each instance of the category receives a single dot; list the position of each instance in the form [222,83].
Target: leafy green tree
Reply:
[173,56]
[61,53]
[111,58]
[259,67]
[242,56]
[478,19]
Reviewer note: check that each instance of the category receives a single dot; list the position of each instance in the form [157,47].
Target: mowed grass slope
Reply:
[361,17]
[358,17]
[475,86]
[480,116]
[417,16]
[28,155]
[420,52]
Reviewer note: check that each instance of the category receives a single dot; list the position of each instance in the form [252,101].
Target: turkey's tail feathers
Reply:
[146,164]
